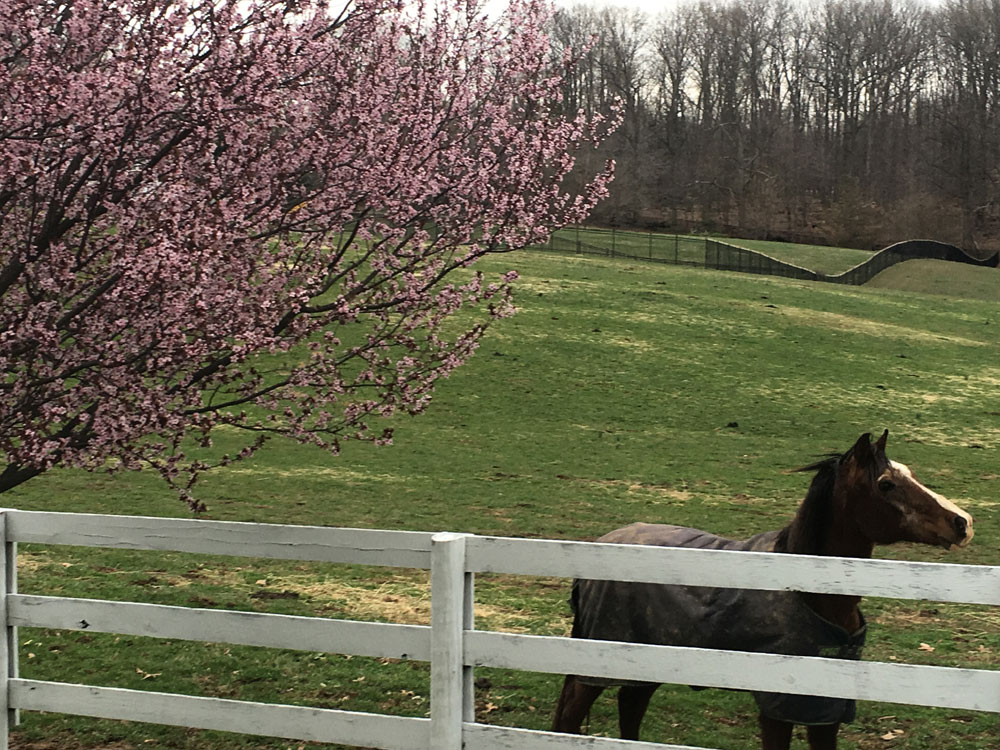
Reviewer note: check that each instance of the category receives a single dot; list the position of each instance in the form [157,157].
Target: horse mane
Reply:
[807,531]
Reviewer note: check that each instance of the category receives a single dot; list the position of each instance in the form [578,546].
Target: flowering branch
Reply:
[190,189]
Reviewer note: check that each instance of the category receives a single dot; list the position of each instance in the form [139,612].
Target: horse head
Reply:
[891,505]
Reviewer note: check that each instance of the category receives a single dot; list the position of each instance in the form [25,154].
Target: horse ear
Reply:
[880,443]
[861,451]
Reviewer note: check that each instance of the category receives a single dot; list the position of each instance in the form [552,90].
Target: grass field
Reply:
[621,391]
[941,277]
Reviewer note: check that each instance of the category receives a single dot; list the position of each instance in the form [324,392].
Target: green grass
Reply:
[941,277]
[621,391]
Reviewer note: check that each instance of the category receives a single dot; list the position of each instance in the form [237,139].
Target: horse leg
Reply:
[574,704]
[633,700]
[775,734]
[823,736]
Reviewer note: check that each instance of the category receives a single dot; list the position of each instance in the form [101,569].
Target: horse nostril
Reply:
[960,524]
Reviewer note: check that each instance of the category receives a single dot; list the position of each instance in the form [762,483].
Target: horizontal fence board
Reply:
[386,640]
[407,549]
[948,687]
[971,584]
[266,719]
[899,683]
[486,737]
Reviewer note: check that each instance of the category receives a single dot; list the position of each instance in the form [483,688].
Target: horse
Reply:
[855,501]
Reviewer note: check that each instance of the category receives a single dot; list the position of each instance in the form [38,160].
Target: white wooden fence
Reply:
[451,644]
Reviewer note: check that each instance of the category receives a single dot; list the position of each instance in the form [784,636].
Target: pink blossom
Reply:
[189,185]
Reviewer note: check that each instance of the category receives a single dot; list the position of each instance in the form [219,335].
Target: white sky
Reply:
[652,7]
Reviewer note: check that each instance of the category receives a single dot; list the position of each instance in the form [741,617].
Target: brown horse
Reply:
[856,500]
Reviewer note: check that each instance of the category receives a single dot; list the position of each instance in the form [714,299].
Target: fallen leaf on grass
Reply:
[925,647]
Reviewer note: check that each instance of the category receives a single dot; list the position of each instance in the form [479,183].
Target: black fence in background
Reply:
[909,250]
[709,253]
[725,257]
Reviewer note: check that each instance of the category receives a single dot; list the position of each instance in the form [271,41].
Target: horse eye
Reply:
[886,485]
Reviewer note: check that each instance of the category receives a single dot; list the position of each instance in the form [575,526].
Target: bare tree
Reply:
[831,120]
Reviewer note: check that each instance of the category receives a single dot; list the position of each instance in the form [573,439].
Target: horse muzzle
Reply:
[961,530]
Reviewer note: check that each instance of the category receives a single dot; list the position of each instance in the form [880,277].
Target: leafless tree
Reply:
[831,120]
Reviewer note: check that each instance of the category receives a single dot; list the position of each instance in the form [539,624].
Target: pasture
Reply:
[940,277]
[620,392]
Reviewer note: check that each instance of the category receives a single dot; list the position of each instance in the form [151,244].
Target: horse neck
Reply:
[839,537]
[840,609]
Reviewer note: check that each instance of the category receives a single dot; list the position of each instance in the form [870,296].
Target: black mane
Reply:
[807,531]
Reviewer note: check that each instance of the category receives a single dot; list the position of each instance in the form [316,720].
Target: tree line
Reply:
[846,122]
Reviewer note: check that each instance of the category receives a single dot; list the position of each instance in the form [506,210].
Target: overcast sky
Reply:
[650,6]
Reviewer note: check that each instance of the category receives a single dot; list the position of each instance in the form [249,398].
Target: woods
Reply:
[834,121]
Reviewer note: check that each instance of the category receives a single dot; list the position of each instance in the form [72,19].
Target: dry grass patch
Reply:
[404,598]
[68,742]
[953,435]
[631,487]
[877,328]
[29,562]
[337,472]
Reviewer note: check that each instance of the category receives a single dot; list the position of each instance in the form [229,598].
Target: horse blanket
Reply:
[777,622]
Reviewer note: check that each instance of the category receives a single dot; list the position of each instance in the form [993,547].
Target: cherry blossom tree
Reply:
[244,213]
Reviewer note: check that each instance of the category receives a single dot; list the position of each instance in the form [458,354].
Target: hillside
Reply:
[941,277]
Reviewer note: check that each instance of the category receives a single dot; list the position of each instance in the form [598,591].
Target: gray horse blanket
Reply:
[776,622]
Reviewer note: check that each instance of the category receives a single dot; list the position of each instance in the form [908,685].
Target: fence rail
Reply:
[451,643]
[705,252]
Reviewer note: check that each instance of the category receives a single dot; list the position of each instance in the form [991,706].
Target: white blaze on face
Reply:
[944,502]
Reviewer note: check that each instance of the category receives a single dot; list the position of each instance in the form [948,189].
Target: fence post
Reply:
[8,642]
[451,682]
[10,584]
